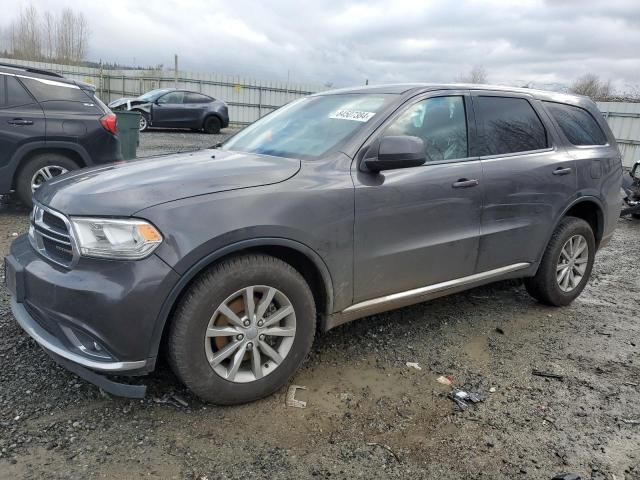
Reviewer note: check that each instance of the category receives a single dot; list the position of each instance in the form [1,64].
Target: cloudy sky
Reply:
[346,42]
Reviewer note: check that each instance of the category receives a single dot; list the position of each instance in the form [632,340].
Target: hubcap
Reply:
[572,263]
[143,122]
[250,334]
[44,174]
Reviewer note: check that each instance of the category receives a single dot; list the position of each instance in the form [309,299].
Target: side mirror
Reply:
[397,152]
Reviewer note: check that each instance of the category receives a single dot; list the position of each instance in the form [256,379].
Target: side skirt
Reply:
[422,294]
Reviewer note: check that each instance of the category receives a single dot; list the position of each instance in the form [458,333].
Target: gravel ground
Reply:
[161,141]
[368,414]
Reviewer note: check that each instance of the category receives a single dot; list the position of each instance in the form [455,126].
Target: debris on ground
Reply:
[492,390]
[566,476]
[414,365]
[448,380]
[631,422]
[386,447]
[499,330]
[540,373]
[171,399]
[291,397]
[463,398]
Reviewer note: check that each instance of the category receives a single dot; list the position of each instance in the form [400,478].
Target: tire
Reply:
[212,125]
[55,163]
[545,285]
[190,350]
[636,216]
[144,121]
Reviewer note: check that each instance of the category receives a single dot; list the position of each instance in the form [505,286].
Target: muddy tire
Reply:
[566,264]
[242,329]
[39,169]
[212,125]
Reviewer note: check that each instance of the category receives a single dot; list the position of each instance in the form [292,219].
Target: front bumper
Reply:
[109,303]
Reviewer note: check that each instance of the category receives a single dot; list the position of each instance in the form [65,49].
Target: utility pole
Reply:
[175,70]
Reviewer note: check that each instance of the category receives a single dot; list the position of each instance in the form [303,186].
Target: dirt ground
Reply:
[368,414]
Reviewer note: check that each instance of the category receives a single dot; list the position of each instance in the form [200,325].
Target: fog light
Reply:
[85,343]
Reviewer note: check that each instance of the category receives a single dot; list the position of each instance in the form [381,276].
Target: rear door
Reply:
[420,226]
[195,105]
[168,111]
[528,178]
[21,121]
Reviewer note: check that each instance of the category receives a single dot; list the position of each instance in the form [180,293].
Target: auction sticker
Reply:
[356,115]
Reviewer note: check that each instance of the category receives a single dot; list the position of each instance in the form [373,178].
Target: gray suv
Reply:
[337,206]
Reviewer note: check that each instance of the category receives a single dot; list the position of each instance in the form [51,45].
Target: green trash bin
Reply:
[128,132]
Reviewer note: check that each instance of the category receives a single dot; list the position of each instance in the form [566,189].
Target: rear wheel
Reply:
[242,329]
[39,170]
[212,125]
[566,264]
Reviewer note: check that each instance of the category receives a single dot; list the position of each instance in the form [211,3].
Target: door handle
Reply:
[465,183]
[562,171]
[19,121]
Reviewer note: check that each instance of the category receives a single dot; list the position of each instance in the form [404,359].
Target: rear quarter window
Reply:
[12,93]
[577,124]
[45,91]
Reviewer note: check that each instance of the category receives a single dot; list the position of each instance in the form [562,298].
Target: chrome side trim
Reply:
[51,343]
[438,287]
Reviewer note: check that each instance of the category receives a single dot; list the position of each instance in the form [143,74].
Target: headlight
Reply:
[117,239]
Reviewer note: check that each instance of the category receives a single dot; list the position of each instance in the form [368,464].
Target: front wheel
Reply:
[242,329]
[566,264]
[143,124]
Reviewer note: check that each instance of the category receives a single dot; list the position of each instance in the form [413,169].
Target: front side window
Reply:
[577,124]
[172,98]
[310,127]
[441,124]
[508,125]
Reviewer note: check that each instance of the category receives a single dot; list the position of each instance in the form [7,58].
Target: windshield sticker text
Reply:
[356,115]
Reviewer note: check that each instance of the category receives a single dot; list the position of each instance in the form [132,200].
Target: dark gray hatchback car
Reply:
[334,207]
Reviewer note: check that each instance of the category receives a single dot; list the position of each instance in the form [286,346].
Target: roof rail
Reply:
[31,70]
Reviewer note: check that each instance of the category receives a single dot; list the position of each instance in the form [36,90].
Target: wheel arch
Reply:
[307,262]
[590,210]
[74,153]
[208,115]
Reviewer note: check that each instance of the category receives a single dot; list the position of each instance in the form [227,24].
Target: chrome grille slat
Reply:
[49,239]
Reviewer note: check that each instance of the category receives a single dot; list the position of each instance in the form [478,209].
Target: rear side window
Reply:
[577,124]
[509,125]
[54,91]
[12,94]
[196,98]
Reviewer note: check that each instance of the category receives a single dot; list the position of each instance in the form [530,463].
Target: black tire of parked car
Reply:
[636,216]
[29,169]
[186,349]
[544,285]
[212,125]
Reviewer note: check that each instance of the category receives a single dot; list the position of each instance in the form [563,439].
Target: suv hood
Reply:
[125,188]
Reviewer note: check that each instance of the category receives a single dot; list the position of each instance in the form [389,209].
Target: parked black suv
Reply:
[49,125]
[334,207]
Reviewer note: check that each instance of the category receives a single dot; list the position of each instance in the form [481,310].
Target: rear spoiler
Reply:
[85,86]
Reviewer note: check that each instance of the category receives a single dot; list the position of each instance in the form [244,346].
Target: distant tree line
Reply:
[589,85]
[62,37]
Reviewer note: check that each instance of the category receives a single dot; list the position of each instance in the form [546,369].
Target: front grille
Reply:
[50,235]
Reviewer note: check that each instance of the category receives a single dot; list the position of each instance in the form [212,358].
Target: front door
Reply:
[527,179]
[420,226]
[168,111]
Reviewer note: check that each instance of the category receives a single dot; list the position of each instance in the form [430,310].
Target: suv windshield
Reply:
[309,127]
[153,94]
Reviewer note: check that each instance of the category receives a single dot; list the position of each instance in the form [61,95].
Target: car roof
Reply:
[45,75]
[408,88]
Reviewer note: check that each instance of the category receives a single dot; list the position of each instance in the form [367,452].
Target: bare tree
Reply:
[27,40]
[49,34]
[591,86]
[72,36]
[477,74]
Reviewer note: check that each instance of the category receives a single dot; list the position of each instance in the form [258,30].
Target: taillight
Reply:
[109,123]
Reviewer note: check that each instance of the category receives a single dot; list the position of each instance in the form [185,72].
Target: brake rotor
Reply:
[237,307]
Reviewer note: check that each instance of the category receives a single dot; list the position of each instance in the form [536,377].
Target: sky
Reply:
[347,42]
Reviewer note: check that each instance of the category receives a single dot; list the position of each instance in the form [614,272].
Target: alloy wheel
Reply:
[250,334]
[44,174]
[143,123]
[572,263]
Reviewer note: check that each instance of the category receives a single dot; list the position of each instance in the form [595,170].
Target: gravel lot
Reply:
[161,141]
[368,414]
